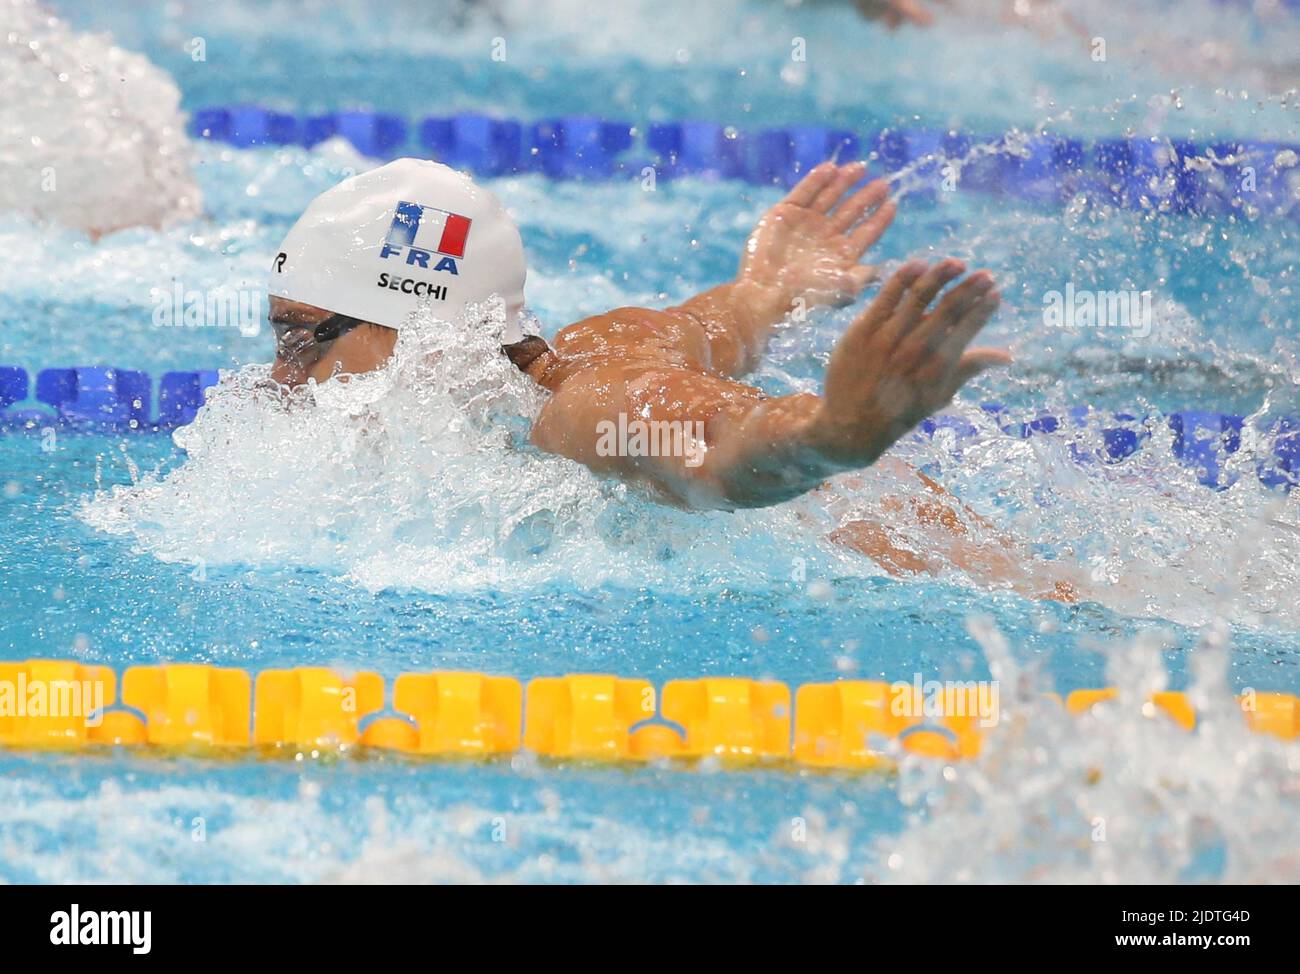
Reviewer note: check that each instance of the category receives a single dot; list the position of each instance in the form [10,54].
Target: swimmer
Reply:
[895,13]
[367,252]
[892,13]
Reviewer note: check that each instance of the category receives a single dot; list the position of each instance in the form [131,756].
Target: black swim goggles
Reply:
[324,333]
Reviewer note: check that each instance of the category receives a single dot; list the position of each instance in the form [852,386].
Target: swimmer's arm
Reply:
[895,13]
[805,252]
[896,364]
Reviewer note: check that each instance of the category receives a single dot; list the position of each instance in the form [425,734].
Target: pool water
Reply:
[425,535]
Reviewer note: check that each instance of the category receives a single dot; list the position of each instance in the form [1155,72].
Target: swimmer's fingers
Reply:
[851,209]
[896,364]
[951,365]
[910,310]
[882,309]
[971,364]
[963,333]
[922,294]
[861,341]
[865,235]
[926,339]
[806,190]
[959,299]
[845,178]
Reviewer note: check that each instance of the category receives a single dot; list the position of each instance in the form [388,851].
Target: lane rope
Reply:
[119,401]
[1245,177]
[192,707]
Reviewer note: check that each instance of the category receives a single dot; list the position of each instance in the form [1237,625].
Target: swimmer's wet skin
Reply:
[900,360]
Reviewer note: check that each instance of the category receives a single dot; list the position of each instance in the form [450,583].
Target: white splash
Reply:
[93,134]
[420,476]
[1118,795]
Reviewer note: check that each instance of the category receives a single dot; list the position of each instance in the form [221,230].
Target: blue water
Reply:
[635,590]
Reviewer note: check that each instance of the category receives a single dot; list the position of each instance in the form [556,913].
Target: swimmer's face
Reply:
[299,356]
[294,327]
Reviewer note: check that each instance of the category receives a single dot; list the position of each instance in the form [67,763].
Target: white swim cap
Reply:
[379,243]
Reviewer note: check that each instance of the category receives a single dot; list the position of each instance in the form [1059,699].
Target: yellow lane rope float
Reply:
[845,724]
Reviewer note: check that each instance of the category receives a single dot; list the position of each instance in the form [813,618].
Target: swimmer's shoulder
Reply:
[629,334]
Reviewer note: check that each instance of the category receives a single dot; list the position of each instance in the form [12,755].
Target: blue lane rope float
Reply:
[102,399]
[118,401]
[1136,173]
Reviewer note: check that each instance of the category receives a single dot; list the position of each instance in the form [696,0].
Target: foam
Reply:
[419,476]
[1118,798]
[318,830]
[94,137]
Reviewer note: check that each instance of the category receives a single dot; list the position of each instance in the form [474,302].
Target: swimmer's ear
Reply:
[523,353]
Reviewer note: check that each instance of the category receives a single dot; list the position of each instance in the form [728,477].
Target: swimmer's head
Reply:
[312,342]
[315,342]
[377,245]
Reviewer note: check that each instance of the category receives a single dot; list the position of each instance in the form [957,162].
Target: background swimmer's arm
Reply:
[805,252]
[930,531]
[895,13]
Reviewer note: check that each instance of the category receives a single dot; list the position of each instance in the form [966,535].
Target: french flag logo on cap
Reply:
[428,228]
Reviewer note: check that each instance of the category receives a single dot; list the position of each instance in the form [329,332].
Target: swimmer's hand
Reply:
[808,248]
[806,251]
[898,362]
